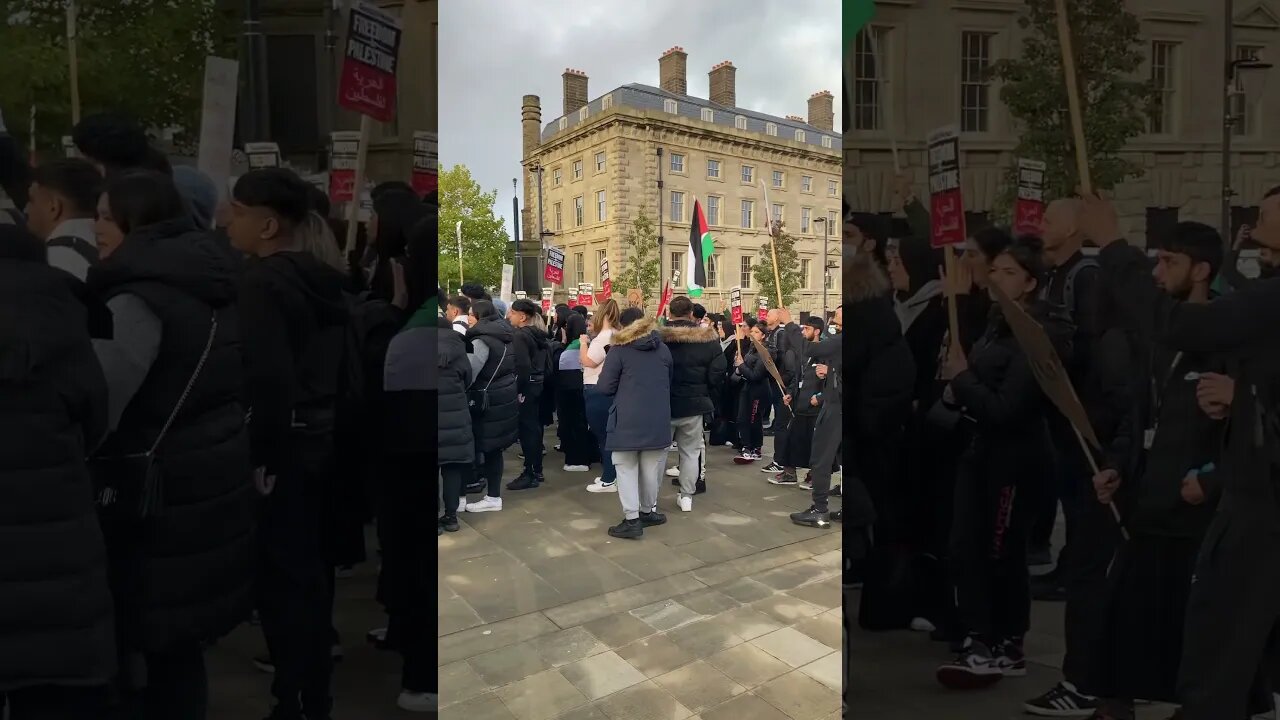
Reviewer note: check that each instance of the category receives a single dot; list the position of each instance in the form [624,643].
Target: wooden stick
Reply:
[775,231]
[357,191]
[953,313]
[1073,97]
[73,61]
[1093,465]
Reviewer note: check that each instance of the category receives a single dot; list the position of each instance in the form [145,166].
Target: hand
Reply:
[960,281]
[400,296]
[737,361]
[1192,491]
[263,482]
[1098,220]
[1215,389]
[902,187]
[813,401]
[520,398]
[1105,485]
[820,370]
[956,362]
[585,341]
[786,400]
[1242,235]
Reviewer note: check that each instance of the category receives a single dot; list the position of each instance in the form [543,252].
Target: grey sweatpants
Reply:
[639,474]
[687,432]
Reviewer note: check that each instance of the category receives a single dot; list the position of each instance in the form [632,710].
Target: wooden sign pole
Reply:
[1073,98]
[357,191]
[953,313]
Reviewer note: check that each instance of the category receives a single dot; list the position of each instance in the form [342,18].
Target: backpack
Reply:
[1069,289]
[80,246]
[370,327]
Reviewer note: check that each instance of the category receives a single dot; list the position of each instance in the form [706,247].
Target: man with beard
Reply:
[1234,601]
[1167,490]
[782,338]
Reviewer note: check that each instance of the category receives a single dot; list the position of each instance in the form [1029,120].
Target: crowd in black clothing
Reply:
[965,461]
[173,397]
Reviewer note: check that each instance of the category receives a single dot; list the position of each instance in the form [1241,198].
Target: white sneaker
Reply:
[599,487]
[922,625]
[417,701]
[673,448]
[728,443]
[488,504]
[576,468]
[673,472]
[462,504]
[686,503]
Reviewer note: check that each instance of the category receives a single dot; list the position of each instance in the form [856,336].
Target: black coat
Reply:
[185,574]
[699,367]
[55,604]
[924,338]
[752,377]
[533,355]
[880,372]
[498,428]
[637,373]
[453,429]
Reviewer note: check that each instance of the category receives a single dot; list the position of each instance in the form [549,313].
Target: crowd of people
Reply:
[625,390]
[202,404]
[1167,571]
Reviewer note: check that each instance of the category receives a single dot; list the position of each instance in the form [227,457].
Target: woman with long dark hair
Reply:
[576,442]
[395,212]
[494,396]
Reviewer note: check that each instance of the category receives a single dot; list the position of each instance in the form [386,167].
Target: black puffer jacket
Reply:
[498,428]
[881,373]
[55,605]
[532,348]
[184,575]
[699,367]
[453,429]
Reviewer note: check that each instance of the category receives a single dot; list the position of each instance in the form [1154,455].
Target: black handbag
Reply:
[134,484]
[478,400]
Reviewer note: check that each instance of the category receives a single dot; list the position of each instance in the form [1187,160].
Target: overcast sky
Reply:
[493,52]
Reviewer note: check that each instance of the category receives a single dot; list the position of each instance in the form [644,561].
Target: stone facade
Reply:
[625,139]
[921,43]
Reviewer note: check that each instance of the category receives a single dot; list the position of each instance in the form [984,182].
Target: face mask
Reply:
[831,329]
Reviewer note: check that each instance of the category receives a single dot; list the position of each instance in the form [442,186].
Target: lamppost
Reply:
[826,235]
[1238,86]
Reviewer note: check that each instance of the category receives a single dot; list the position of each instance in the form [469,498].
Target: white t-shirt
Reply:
[595,351]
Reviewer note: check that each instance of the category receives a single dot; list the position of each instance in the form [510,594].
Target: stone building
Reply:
[926,71]
[601,166]
[303,95]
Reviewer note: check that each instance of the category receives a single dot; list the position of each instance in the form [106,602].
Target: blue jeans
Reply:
[598,406]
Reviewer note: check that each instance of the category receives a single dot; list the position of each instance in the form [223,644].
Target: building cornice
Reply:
[1258,17]
[999,6]
[1174,16]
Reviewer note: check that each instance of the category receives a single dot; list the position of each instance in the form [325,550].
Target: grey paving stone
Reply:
[604,674]
[618,630]
[458,682]
[786,609]
[699,686]
[541,697]
[791,647]
[499,587]
[827,670]
[509,664]
[749,623]
[791,575]
[799,696]
[666,614]
[705,637]
[645,701]
[718,549]
[584,611]
[583,574]
[567,646]
[748,665]
[485,707]
[746,590]
[824,628]
[655,655]
[454,615]
[826,594]
[766,560]
[744,707]
[475,641]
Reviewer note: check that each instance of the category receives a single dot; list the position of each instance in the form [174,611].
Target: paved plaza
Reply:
[730,612]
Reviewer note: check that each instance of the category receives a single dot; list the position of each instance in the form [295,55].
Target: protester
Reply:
[532,361]
[292,319]
[62,205]
[576,441]
[782,338]
[637,375]
[724,428]
[752,379]
[113,142]
[493,397]
[454,426]
[592,351]
[57,648]
[15,175]
[395,212]
[698,370]
[458,309]
[828,357]
[200,192]
[806,402]
[180,538]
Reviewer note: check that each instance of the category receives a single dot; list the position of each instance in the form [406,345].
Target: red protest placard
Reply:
[606,284]
[1028,211]
[546,300]
[668,291]
[426,163]
[763,312]
[368,81]
[946,207]
[735,305]
[586,294]
[554,272]
[343,148]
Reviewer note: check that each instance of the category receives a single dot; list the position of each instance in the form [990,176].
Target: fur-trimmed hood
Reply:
[864,279]
[686,332]
[636,333]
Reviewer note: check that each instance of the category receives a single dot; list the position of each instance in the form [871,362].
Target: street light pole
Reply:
[1228,52]
[660,228]
[331,53]
[256,127]
[515,234]
[826,235]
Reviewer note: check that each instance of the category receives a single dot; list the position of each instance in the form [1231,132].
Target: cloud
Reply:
[493,52]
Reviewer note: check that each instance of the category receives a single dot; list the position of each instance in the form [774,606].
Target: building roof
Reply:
[647,97]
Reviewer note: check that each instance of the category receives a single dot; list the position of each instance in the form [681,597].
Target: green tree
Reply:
[144,58]
[788,270]
[484,236]
[1108,55]
[640,261]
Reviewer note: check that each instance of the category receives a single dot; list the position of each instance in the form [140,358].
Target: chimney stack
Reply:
[575,90]
[723,87]
[822,114]
[531,123]
[797,118]
[671,71]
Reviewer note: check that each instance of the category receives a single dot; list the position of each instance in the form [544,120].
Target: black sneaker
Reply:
[538,479]
[835,491]
[1048,590]
[784,479]
[1010,658]
[476,487]
[449,523]
[524,482]
[974,668]
[675,482]
[837,516]
[628,530]
[700,487]
[813,517]
[1062,700]
[772,467]
[653,518]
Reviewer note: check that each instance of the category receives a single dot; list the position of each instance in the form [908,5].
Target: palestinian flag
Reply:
[856,14]
[700,248]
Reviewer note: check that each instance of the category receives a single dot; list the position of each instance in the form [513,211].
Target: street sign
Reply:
[368,81]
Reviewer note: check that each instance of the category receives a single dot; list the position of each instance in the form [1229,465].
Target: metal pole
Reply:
[1228,40]
[542,229]
[256,127]
[331,50]
[826,235]
[74,62]
[515,227]
[660,276]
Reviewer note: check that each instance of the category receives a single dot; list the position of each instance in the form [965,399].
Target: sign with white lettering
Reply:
[368,82]
[946,207]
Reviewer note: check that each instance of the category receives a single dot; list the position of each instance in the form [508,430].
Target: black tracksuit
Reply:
[753,395]
[532,350]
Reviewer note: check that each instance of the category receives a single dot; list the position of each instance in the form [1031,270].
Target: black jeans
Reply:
[407,576]
[531,433]
[827,436]
[53,703]
[293,582]
[453,476]
[751,422]
[176,688]
[490,468]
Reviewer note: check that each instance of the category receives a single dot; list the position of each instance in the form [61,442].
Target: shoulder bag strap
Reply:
[496,368]
[213,331]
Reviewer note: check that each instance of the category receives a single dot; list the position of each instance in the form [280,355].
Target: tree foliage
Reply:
[144,58]
[640,260]
[484,235]
[788,270]
[1108,55]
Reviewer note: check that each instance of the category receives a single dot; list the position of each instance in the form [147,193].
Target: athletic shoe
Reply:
[728,443]
[462,504]
[449,523]
[772,467]
[685,502]
[700,487]
[1010,659]
[1062,700]
[744,458]
[972,669]
[488,504]
[649,519]
[628,530]
[814,517]
[835,490]
[417,701]
[577,468]
[783,479]
[524,482]
[806,483]
[599,487]
[376,636]
[673,472]
[343,572]
[673,448]
[557,449]
[920,624]
[837,516]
